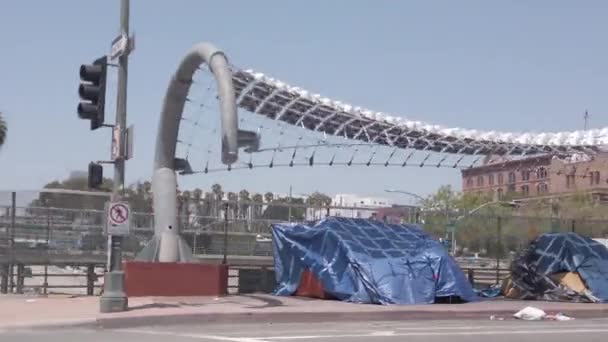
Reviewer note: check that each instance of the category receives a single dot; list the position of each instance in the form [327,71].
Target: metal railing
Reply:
[36,232]
[44,281]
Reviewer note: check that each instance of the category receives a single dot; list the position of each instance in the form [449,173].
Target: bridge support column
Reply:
[167,245]
[165,266]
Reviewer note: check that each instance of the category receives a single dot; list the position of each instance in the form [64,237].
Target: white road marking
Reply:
[199,336]
[383,333]
[446,333]
[506,329]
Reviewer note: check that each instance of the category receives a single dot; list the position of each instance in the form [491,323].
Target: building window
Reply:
[491,179]
[542,188]
[525,190]
[570,181]
[501,179]
[511,177]
[511,188]
[480,181]
[525,175]
[541,173]
[500,194]
[469,182]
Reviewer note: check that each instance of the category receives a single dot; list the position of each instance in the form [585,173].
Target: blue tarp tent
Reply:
[549,254]
[367,261]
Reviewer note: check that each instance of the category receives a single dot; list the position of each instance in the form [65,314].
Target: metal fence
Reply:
[46,227]
[62,228]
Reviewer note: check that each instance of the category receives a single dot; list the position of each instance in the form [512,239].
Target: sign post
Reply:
[114,298]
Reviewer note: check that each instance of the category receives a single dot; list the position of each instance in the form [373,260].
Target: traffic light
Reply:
[92,91]
[95,175]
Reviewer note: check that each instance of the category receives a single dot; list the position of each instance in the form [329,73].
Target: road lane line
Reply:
[194,336]
[446,333]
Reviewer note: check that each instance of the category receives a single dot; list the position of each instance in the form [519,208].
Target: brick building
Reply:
[539,176]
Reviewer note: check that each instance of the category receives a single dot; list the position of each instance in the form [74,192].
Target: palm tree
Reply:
[208,204]
[197,194]
[259,201]
[217,190]
[3,129]
[197,197]
[244,205]
[269,196]
[219,194]
[232,198]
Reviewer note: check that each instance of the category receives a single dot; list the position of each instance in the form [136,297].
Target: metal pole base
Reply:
[114,298]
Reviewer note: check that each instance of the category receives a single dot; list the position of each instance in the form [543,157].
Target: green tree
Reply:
[3,130]
[243,202]
[72,201]
[232,199]
[473,216]
[268,197]
[318,199]
[218,194]
[217,191]
[319,202]
[258,199]
[278,210]
[138,195]
[208,204]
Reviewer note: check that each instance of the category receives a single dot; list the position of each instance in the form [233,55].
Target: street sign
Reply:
[118,218]
[120,45]
[116,140]
[129,142]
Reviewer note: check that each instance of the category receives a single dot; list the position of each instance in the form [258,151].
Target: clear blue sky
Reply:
[508,65]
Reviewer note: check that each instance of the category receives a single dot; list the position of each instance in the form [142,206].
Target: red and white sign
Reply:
[119,218]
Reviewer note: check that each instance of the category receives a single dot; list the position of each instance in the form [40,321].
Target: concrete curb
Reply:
[54,324]
[315,317]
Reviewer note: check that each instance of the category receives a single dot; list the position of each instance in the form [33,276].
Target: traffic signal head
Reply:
[95,175]
[92,91]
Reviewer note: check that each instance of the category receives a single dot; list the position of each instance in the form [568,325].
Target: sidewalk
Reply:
[26,311]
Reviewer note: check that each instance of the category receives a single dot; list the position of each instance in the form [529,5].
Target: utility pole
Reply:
[586,117]
[114,298]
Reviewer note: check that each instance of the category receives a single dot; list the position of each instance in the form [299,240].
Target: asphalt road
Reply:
[428,331]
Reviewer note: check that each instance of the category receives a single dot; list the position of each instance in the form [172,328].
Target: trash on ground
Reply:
[559,317]
[496,318]
[490,292]
[530,314]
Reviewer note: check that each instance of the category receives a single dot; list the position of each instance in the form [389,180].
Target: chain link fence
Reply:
[62,233]
[60,226]
[502,237]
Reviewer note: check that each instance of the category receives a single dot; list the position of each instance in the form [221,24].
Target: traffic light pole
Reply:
[114,298]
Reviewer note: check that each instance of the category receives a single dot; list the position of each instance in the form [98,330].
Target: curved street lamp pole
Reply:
[416,196]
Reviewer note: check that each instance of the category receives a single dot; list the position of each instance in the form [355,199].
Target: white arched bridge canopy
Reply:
[277,100]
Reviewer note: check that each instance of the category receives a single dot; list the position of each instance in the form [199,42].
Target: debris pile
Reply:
[560,267]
